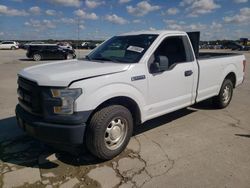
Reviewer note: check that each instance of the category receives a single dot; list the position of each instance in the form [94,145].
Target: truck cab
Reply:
[127,80]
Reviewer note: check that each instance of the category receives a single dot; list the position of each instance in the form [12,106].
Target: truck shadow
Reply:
[204,105]
[25,59]
[17,148]
[162,120]
[243,135]
[207,104]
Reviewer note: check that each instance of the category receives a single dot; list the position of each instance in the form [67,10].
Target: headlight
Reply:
[68,97]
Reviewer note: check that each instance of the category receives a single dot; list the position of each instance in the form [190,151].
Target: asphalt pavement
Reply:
[197,146]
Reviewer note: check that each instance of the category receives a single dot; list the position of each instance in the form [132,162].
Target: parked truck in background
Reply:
[127,80]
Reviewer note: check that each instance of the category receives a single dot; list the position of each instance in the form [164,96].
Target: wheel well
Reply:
[127,102]
[36,53]
[231,76]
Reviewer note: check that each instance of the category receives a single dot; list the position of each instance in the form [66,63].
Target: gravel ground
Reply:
[194,147]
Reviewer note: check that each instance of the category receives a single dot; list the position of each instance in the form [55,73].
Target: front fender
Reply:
[90,101]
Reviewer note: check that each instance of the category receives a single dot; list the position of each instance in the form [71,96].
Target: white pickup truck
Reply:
[127,80]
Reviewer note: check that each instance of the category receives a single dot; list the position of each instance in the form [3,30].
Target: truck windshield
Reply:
[123,49]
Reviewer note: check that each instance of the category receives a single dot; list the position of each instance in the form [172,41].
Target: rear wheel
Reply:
[109,131]
[225,95]
[37,57]
[69,56]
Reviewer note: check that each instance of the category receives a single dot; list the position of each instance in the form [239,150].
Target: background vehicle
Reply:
[49,51]
[246,48]
[88,45]
[65,45]
[11,45]
[233,46]
[26,45]
[127,80]
[217,46]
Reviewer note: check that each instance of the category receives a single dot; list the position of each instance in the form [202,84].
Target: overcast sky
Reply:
[100,19]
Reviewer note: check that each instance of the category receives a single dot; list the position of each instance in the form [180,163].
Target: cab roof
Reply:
[156,32]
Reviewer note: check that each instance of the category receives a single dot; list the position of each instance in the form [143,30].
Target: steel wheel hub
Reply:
[226,94]
[115,133]
[37,57]
[69,56]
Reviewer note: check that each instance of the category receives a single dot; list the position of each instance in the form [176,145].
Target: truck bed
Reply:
[211,55]
[213,68]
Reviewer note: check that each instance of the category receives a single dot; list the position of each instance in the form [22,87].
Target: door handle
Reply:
[188,73]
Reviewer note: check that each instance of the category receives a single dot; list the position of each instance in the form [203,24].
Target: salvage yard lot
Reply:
[195,147]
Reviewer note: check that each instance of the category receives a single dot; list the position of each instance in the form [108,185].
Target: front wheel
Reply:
[109,131]
[69,56]
[13,48]
[37,57]
[225,95]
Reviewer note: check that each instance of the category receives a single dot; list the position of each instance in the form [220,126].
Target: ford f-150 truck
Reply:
[127,80]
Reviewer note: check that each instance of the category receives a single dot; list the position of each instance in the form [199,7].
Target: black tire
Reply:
[100,123]
[13,48]
[223,99]
[69,56]
[37,57]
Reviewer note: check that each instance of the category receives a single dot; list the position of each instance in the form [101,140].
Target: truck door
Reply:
[175,87]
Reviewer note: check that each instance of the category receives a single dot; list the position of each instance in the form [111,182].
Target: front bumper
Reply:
[52,133]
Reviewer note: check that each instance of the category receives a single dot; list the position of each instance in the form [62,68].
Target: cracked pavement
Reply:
[193,147]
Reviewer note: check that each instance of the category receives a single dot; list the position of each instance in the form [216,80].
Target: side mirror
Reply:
[160,65]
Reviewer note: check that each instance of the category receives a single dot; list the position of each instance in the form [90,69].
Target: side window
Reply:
[51,47]
[35,47]
[173,50]
[188,49]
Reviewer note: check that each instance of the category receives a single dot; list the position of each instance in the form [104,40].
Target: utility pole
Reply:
[78,36]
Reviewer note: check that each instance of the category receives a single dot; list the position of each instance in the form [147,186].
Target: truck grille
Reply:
[29,95]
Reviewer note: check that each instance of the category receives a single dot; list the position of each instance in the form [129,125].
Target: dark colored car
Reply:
[25,46]
[233,46]
[43,51]
[246,48]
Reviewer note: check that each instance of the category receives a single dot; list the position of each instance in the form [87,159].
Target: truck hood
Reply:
[62,73]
